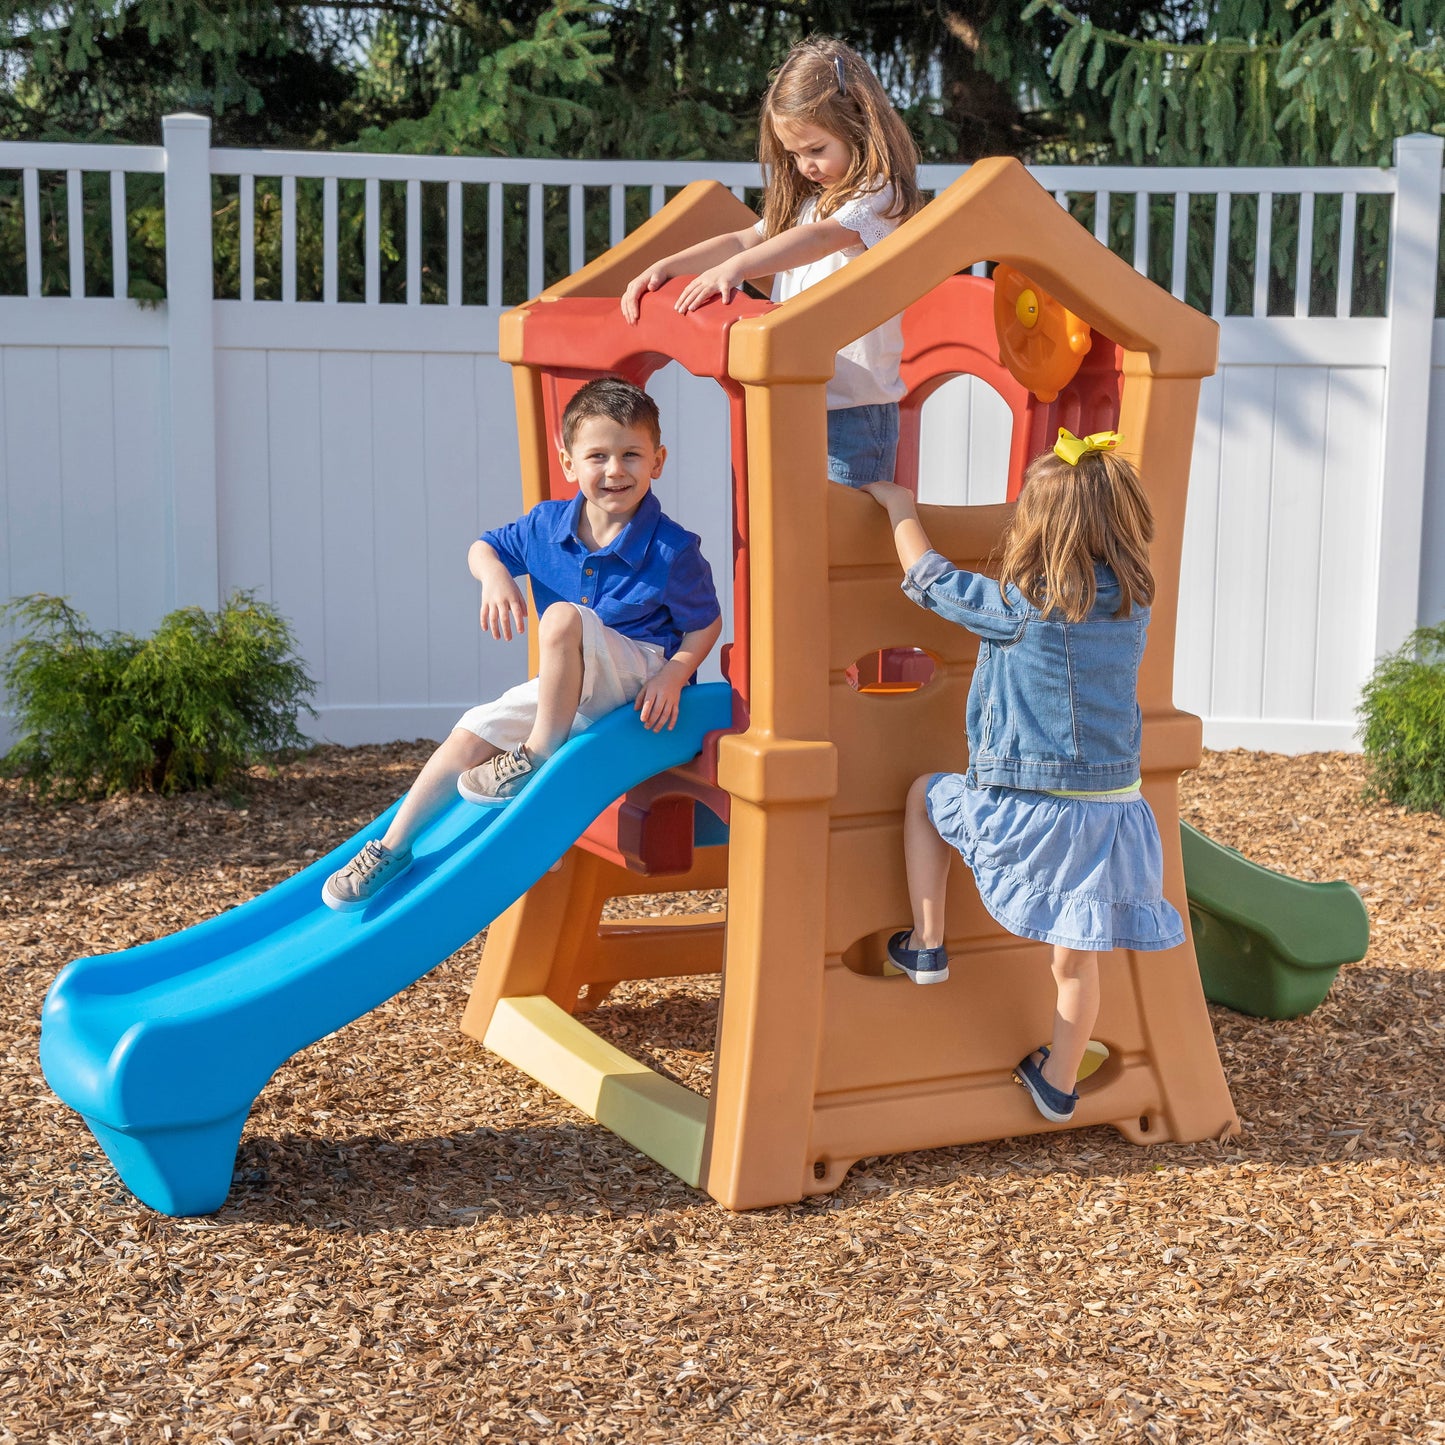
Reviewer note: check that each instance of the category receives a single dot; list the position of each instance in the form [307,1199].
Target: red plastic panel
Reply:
[570,341]
[950,332]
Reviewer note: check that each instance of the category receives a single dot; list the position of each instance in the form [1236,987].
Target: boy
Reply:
[626,609]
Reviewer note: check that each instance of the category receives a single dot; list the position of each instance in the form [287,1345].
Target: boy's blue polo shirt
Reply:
[651,582]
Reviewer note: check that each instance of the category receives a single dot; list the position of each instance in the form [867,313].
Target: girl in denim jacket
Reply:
[1049,816]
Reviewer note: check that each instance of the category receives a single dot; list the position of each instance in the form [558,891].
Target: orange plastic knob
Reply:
[1040,341]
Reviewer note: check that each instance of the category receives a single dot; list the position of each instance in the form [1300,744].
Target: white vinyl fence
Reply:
[315,408]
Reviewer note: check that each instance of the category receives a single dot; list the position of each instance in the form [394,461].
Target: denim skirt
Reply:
[1082,873]
[862,444]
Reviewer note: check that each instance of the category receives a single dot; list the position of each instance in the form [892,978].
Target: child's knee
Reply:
[561,626]
[464,749]
[1074,964]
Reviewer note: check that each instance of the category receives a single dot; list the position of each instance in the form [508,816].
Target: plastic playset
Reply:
[784,784]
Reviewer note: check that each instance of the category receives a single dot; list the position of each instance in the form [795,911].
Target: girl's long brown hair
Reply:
[1067,519]
[805,91]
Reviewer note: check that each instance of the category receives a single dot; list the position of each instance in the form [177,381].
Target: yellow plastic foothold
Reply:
[1095,1055]
[1040,341]
[666,1121]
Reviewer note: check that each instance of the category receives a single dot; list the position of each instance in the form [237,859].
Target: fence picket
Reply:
[1263,221]
[373,241]
[1102,202]
[494,244]
[30,189]
[288,239]
[1179,264]
[616,213]
[413,243]
[75,231]
[248,238]
[1345,287]
[454,243]
[119,251]
[536,255]
[1304,254]
[576,229]
[1219,289]
[330,241]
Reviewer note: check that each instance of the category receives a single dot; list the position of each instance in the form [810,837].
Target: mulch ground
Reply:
[422,1245]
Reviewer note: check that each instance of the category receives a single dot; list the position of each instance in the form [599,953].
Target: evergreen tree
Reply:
[1186,81]
[1261,82]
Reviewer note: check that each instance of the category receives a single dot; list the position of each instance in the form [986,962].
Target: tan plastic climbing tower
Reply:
[821,1059]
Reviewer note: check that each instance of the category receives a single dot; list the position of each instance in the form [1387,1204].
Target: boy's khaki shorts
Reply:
[614,670]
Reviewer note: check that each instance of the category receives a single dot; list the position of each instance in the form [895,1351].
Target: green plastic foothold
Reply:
[1267,944]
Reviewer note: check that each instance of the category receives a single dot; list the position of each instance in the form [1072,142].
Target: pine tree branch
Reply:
[441,15]
[1186,49]
[1418,63]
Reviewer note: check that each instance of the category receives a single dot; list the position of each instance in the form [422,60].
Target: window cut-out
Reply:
[893,671]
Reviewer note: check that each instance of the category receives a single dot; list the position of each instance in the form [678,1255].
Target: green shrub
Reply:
[208,694]
[1403,712]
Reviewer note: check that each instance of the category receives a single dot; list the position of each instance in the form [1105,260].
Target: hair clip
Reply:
[838,71]
[1070,448]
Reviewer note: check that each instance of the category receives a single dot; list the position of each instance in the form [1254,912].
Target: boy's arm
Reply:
[504,608]
[656,704]
[683,263]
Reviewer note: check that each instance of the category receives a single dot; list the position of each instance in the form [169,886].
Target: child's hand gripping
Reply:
[897,501]
[717,281]
[504,609]
[649,280]
[657,703]
[909,538]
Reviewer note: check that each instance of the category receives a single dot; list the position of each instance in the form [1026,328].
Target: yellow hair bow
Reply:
[1070,448]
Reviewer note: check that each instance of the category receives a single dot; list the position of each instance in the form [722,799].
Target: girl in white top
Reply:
[841,175]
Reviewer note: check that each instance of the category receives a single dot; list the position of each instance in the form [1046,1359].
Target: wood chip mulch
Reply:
[422,1245]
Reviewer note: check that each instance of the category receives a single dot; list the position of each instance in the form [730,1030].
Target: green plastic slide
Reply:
[1267,944]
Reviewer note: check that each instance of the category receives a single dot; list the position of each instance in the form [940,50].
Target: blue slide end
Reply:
[163,1048]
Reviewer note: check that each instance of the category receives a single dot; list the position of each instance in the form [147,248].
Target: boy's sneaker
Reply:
[499,779]
[922,965]
[364,877]
[1052,1103]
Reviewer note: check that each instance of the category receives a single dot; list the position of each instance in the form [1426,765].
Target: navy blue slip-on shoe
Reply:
[922,965]
[1052,1103]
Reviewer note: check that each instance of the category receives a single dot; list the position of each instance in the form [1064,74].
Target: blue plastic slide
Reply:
[163,1048]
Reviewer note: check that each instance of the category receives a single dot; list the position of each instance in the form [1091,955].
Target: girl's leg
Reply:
[436,785]
[926,857]
[1076,975]
[559,677]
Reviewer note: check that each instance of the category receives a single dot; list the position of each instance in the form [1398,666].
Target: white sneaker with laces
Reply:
[499,779]
[364,877]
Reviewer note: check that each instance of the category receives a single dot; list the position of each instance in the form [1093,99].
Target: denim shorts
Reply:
[862,444]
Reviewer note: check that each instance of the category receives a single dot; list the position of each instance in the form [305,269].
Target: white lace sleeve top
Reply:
[867,369]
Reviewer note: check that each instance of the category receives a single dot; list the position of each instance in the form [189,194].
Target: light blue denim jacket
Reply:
[1053,704]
